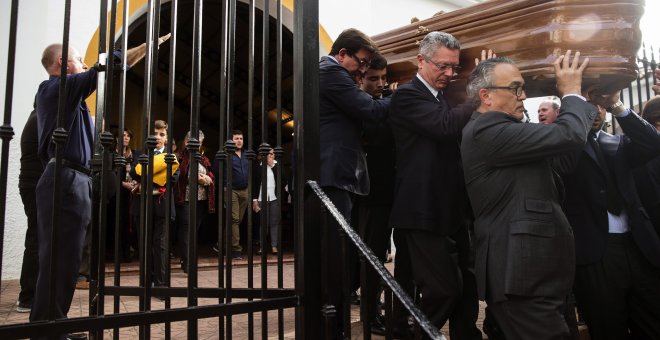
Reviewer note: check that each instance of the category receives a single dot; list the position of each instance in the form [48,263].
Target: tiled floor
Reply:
[208,277]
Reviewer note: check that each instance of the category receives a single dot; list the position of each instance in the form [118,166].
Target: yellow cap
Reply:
[160,169]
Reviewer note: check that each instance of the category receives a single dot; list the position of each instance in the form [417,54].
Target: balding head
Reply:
[51,59]
[548,111]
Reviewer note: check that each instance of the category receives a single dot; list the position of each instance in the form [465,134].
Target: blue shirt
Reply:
[77,118]
[239,179]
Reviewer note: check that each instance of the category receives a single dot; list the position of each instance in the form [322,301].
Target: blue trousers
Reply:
[75,214]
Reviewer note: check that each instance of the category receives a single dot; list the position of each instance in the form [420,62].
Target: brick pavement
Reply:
[208,328]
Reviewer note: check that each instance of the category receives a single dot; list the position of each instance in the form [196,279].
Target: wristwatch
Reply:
[617,104]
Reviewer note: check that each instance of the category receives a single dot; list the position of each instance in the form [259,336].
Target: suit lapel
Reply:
[421,87]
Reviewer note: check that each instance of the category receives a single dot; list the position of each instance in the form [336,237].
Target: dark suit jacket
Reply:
[586,198]
[256,181]
[343,107]
[429,191]
[647,181]
[524,243]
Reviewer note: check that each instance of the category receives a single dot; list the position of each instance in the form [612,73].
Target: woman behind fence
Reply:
[205,195]
[273,217]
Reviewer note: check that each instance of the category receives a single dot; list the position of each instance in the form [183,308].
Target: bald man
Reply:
[75,181]
[548,112]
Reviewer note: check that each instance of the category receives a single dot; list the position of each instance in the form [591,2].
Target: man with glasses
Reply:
[525,252]
[430,203]
[343,109]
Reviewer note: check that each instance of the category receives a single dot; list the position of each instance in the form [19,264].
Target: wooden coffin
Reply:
[533,33]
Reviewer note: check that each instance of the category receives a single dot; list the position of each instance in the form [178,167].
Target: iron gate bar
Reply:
[170,158]
[375,263]
[146,220]
[19,331]
[98,302]
[307,236]
[193,149]
[6,130]
[201,292]
[250,118]
[264,148]
[221,157]
[645,63]
[120,161]
[279,153]
[60,136]
[230,148]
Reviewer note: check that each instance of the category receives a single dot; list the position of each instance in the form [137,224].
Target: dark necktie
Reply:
[614,201]
[442,99]
[157,152]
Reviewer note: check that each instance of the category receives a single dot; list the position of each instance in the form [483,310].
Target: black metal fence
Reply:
[639,91]
[231,299]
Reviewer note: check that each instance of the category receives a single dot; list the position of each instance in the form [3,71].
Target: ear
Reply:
[484,97]
[420,59]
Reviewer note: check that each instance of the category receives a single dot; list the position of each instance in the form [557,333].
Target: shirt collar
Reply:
[162,150]
[428,86]
[333,58]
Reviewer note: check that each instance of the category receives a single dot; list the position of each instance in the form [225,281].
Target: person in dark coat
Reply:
[647,176]
[343,107]
[205,196]
[525,252]
[274,217]
[430,202]
[76,185]
[617,280]
[31,170]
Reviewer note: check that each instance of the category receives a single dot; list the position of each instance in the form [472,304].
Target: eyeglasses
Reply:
[362,62]
[442,67]
[517,90]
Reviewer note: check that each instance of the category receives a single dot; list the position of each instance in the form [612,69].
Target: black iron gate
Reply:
[231,299]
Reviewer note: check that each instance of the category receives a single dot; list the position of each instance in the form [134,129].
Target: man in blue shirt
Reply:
[76,185]
[239,195]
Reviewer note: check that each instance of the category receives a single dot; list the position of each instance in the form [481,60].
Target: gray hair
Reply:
[481,77]
[434,40]
[201,135]
[555,105]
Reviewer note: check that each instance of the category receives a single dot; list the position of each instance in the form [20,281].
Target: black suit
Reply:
[430,203]
[647,180]
[525,258]
[343,107]
[618,275]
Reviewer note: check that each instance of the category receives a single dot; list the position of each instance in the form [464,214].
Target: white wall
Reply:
[39,24]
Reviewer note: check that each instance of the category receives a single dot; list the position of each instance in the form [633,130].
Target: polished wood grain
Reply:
[533,33]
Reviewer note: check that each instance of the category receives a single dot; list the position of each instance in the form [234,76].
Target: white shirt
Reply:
[428,86]
[270,184]
[617,224]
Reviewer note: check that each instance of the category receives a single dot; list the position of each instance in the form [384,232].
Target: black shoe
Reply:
[378,325]
[76,336]
[404,333]
[24,307]
[183,266]
[236,255]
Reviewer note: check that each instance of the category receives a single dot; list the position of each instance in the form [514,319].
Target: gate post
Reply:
[306,166]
